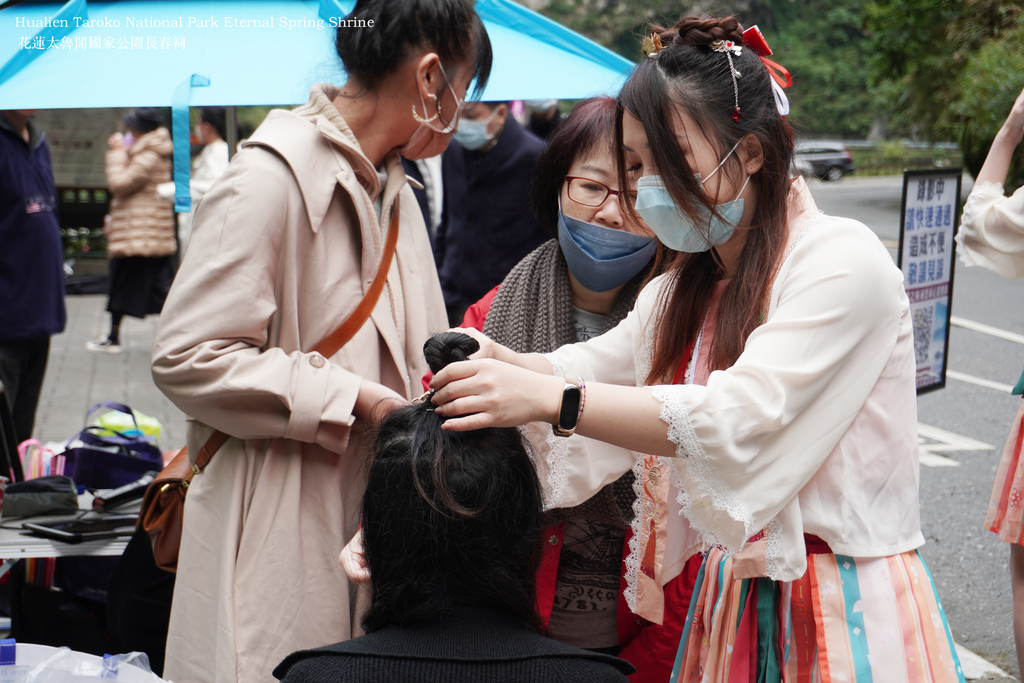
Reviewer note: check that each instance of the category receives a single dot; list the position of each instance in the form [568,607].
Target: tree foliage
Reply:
[824,46]
[985,92]
[914,65]
[924,47]
[821,42]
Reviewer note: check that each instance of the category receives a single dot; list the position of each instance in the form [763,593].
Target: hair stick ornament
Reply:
[730,48]
[754,39]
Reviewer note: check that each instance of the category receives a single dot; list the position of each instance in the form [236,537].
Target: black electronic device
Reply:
[568,410]
[109,499]
[79,530]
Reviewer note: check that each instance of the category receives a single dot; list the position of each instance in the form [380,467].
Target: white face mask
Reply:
[428,141]
[677,230]
[473,134]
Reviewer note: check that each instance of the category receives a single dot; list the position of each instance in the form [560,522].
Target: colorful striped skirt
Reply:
[847,619]
[1005,510]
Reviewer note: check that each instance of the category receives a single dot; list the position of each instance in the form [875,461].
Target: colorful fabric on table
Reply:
[850,619]
[1006,506]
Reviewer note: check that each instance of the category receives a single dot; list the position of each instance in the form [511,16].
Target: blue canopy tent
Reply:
[181,53]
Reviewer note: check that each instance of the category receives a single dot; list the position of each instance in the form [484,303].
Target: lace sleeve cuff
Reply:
[556,368]
[710,505]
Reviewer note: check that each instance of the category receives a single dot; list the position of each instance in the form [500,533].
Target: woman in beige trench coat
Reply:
[283,247]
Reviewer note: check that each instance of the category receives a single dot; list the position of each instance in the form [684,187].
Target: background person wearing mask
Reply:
[542,117]
[486,225]
[140,227]
[209,165]
[31,265]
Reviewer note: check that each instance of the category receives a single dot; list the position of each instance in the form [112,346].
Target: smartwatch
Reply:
[569,409]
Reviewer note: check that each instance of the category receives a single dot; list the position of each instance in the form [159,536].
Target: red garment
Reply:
[477,313]
[651,648]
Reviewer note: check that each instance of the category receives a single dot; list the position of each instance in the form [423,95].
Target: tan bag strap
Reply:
[357,318]
[337,339]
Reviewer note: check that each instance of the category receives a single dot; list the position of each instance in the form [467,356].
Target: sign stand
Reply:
[929,220]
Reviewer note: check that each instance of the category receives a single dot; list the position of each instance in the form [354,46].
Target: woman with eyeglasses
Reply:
[573,288]
[285,246]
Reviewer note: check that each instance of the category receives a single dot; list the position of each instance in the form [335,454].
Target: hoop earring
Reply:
[436,114]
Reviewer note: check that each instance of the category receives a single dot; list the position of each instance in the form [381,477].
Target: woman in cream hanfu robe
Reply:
[992,236]
[798,465]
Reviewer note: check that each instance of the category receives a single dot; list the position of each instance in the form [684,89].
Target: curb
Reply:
[977,668]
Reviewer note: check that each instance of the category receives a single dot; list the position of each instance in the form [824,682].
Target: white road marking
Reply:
[974,667]
[931,460]
[980,381]
[933,440]
[987,329]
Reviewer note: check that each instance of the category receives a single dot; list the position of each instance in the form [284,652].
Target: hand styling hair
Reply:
[449,517]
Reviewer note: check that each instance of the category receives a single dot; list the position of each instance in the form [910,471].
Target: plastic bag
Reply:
[44,664]
[101,461]
[117,421]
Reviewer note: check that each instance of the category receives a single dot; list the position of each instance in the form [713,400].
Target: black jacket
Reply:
[466,645]
[31,255]
[486,224]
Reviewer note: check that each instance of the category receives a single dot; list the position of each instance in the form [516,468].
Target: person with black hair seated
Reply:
[451,531]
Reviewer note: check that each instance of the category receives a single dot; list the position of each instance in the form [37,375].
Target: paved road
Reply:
[968,563]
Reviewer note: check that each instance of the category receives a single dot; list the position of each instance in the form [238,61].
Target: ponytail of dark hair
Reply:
[449,517]
[687,74]
[372,51]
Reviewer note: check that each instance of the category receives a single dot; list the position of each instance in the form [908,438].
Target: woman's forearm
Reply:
[997,163]
[485,393]
[534,362]
[628,417]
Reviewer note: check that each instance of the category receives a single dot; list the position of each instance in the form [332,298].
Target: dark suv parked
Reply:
[826,160]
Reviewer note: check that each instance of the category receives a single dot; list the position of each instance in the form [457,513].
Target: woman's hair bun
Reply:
[448,347]
[701,30]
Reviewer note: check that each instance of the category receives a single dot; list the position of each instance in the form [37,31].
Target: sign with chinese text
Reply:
[930,217]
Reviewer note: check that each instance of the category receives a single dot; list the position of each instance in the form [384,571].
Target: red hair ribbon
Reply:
[754,39]
[778,72]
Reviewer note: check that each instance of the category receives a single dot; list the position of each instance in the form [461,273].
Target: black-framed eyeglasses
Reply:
[594,194]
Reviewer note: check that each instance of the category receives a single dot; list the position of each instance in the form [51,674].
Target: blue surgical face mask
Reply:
[602,258]
[678,231]
[473,134]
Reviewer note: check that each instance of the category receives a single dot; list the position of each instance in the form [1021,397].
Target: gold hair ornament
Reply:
[651,45]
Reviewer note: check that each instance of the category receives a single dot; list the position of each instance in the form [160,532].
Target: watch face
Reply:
[570,412]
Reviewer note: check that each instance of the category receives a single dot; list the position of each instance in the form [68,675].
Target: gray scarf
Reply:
[532,313]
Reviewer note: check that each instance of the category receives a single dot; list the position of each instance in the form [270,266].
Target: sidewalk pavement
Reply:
[77,379]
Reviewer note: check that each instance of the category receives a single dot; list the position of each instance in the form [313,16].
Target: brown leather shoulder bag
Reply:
[163,506]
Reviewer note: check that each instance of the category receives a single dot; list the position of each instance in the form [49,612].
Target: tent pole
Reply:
[232,130]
